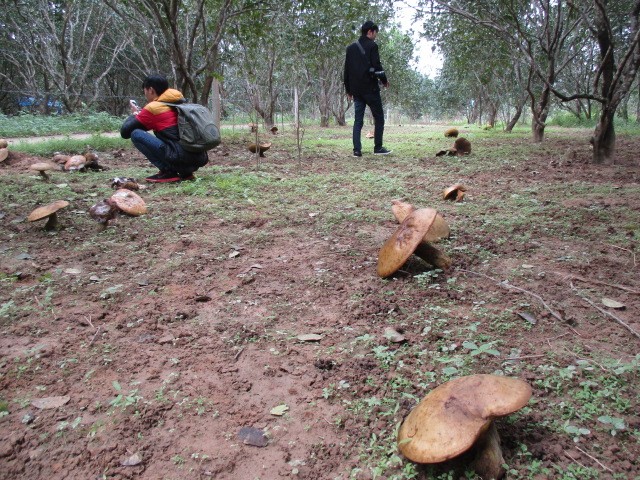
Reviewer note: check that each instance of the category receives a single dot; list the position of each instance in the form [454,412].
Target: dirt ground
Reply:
[171,332]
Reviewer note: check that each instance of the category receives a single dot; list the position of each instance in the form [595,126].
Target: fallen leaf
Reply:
[279,410]
[309,337]
[73,271]
[253,436]
[608,302]
[50,402]
[393,335]
[528,317]
[132,461]
[525,265]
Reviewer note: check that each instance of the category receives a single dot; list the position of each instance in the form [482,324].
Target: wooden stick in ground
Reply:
[604,312]
[594,459]
[509,286]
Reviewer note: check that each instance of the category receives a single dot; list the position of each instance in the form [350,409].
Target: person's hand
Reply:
[135,109]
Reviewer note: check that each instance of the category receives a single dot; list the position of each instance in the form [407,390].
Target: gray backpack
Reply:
[196,126]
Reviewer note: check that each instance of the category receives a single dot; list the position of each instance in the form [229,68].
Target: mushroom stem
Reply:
[433,256]
[52,222]
[488,460]
[44,175]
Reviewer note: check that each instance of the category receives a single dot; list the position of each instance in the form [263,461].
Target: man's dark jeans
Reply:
[152,148]
[360,102]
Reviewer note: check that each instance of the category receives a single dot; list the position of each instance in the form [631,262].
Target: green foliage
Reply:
[26,125]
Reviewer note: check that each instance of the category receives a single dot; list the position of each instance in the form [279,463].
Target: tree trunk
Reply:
[514,119]
[604,138]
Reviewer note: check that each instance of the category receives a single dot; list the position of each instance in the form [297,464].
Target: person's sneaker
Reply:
[189,177]
[163,177]
[357,153]
[381,151]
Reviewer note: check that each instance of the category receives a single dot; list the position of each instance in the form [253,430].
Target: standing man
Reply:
[362,72]
[162,149]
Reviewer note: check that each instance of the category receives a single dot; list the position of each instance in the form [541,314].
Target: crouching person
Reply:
[162,149]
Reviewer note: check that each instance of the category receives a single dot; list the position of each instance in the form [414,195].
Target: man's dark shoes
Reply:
[163,177]
[357,153]
[381,151]
[187,177]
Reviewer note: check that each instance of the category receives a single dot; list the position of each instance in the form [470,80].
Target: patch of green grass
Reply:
[71,146]
[26,125]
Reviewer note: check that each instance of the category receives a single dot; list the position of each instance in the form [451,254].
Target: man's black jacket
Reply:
[357,80]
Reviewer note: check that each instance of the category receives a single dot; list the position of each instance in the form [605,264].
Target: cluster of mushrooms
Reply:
[461,146]
[124,200]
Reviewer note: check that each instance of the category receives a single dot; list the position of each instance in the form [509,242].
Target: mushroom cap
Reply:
[3,143]
[90,157]
[129,202]
[60,158]
[263,147]
[4,153]
[274,129]
[399,247]
[437,231]
[451,132]
[449,420]
[41,167]
[43,212]
[451,193]
[75,162]
[462,146]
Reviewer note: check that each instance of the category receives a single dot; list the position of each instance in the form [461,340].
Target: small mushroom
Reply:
[438,230]
[457,417]
[370,134]
[462,146]
[125,182]
[4,153]
[411,232]
[74,163]
[455,192]
[262,148]
[3,143]
[274,130]
[50,213]
[103,212]
[91,162]
[129,202]
[42,168]
[451,132]
[253,127]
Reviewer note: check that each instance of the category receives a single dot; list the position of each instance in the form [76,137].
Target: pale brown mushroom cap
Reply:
[129,202]
[41,167]
[451,193]
[401,209]
[449,420]
[451,132]
[3,143]
[439,229]
[43,212]
[75,162]
[4,153]
[263,147]
[399,247]
[60,158]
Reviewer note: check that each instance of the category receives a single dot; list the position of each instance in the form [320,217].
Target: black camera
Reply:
[376,74]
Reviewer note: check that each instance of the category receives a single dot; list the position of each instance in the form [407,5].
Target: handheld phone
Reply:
[133,103]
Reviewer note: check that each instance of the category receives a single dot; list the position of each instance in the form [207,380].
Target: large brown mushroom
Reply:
[3,143]
[4,153]
[261,149]
[42,168]
[409,235]
[61,159]
[462,146]
[457,417]
[129,202]
[438,230]
[75,163]
[103,212]
[50,213]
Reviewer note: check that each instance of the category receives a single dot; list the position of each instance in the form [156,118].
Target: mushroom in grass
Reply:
[103,212]
[42,168]
[61,159]
[370,134]
[457,417]
[455,192]
[125,182]
[91,162]
[437,231]
[451,132]
[262,148]
[3,143]
[274,130]
[4,153]
[75,163]
[410,234]
[50,213]
[129,202]
[462,146]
